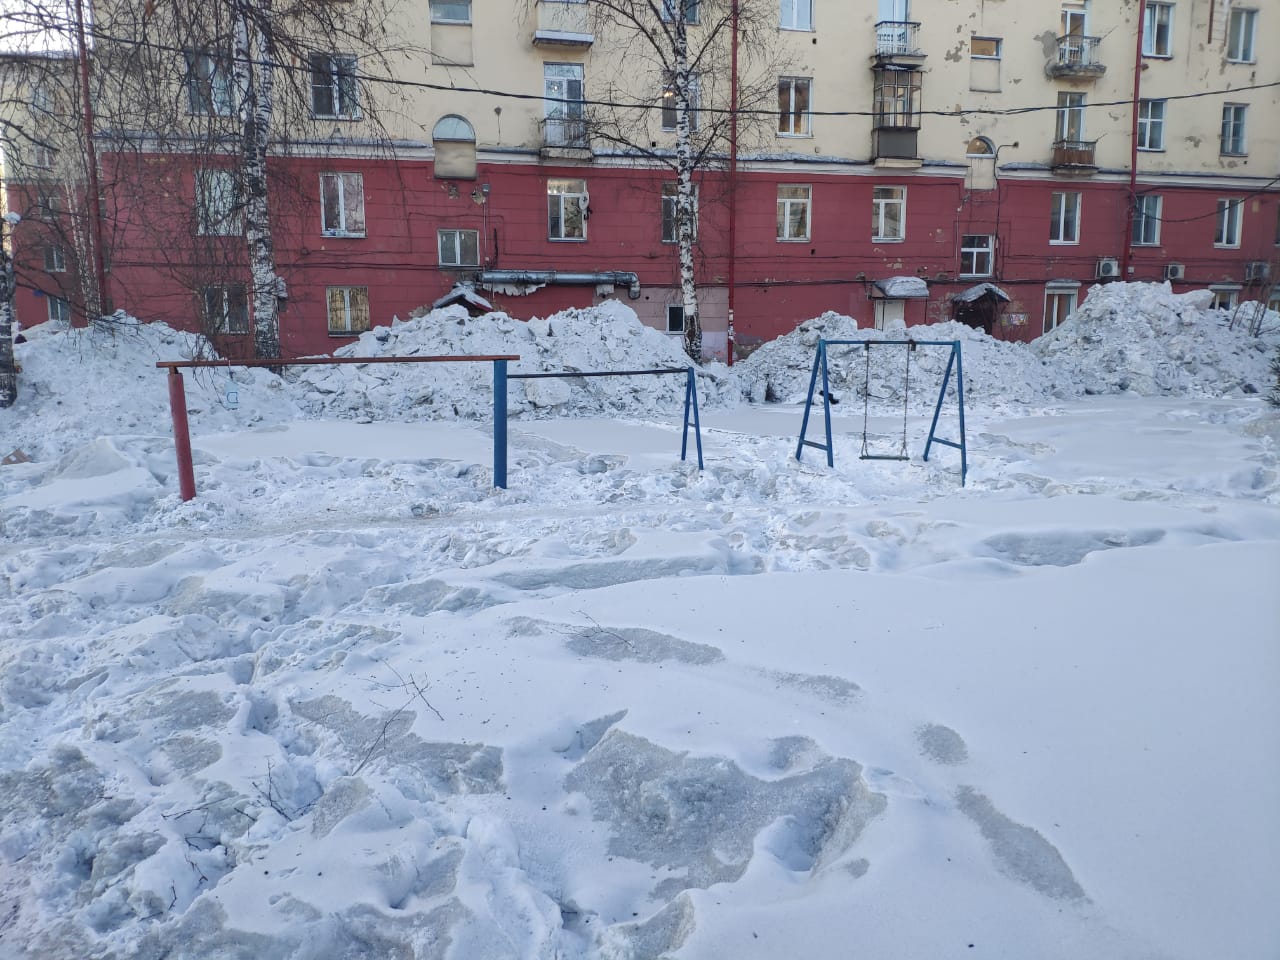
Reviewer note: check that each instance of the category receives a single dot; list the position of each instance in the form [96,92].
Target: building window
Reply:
[1227,233]
[1151,124]
[59,309]
[675,318]
[1157,30]
[689,8]
[218,211]
[1064,219]
[1233,142]
[342,204]
[1070,124]
[567,209]
[43,156]
[977,255]
[1059,304]
[562,86]
[225,309]
[348,310]
[888,213]
[454,141]
[41,98]
[1224,297]
[46,204]
[670,213]
[793,107]
[1146,220]
[797,15]
[1241,28]
[55,259]
[333,86]
[459,248]
[984,63]
[984,48]
[895,99]
[793,212]
[450,11]
[671,110]
[210,85]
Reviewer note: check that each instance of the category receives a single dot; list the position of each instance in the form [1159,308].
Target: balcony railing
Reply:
[1074,156]
[897,38]
[568,132]
[1077,56]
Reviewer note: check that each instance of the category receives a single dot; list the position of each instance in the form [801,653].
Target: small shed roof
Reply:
[900,288]
[466,295]
[979,291]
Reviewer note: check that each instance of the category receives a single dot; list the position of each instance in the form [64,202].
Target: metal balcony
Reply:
[1077,59]
[1074,157]
[897,42]
[565,138]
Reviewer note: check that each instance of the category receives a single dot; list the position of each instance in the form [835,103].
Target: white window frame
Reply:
[563,192]
[1147,213]
[1070,113]
[1151,119]
[563,104]
[454,246]
[55,258]
[1064,217]
[218,212]
[674,311]
[1233,140]
[998,55]
[1226,296]
[440,12]
[222,304]
[59,309]
[801,201]
[1068,294]
[670,113]
[350,301]
[1157,30]
[788,118]
[796,15]
[1242,32]
[210,83]
[339,71]
[669,197]
[883,200]
[690,10]
[43,156]
[46,204]
[1227,234]
[342,205]
[974,253]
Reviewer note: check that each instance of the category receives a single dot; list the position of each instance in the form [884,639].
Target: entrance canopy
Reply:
[900,288]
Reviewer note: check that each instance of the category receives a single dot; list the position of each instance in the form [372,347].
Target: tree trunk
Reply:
[8,366]
[254,76]
[686,203]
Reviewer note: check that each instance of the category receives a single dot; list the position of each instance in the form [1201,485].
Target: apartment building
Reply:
[906,160]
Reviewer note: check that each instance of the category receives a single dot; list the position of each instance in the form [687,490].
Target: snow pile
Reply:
[1143,338]
[605,337]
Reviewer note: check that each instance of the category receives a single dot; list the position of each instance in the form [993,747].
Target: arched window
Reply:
[454,140]
[982,164]
[980,147]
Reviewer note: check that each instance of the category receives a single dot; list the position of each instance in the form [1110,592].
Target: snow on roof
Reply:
[466,295]
[902,287]
[980,291]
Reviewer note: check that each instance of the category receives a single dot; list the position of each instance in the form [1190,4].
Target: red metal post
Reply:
[733,178]
[1127,239]
[181,435]
[94,200]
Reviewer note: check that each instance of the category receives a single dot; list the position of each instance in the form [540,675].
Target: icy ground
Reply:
[352,702]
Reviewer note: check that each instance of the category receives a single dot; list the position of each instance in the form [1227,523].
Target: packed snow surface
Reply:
[352,701]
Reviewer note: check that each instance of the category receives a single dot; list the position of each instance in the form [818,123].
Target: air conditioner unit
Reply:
[1175,271]
[1257,270]
[1108,268]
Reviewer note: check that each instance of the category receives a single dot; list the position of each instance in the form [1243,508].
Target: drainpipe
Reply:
[1127,239]
[733,178]
[91,158]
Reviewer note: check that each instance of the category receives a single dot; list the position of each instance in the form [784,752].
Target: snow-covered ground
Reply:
[353,702]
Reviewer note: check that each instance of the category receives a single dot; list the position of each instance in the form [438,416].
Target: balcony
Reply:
[895,147]
[565,138]
[563,24]
[897,42]
[1077,59]
[1074,158]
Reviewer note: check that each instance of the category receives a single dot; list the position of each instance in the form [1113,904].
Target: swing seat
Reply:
[884,456]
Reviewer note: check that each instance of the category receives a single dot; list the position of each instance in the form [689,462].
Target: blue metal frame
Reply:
[500,424]
[820,365]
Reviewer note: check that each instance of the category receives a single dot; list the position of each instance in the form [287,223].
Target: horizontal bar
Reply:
[594,373]
[814,443]
[309,361]
[947,443]
[889,343]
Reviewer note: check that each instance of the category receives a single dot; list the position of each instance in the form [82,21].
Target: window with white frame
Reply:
[895,99]
[687,8]
[675,318]
[218,212]
[1146,220]
[888,213]
[1059,304]
[796,15]
[977,255]
[1227,233]
[342,204]
[1064,218]
[671,107]
[55,259]
[210,83]
[793,107]
[985,48]
[225,308]
[1225,297]
[671,213]
[458,248]
[41,98]
[984,63]
[563,105]
[1233,138]
[43,156]
[450,11]
[1070,116]
[567,205]
[1242,25]
[1151,115]
[1157,30]
[46,203]
[793,212]
[333,86]
[348,309]
[59,309]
